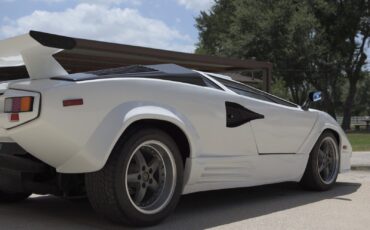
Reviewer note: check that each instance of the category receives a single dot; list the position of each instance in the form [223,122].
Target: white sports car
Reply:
[135,138]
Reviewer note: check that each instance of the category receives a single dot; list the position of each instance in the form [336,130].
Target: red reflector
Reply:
[73,102]
[14,117]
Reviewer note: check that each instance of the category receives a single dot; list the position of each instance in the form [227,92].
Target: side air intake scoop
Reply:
[35,50]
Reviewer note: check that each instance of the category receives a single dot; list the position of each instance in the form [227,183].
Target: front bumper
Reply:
[345,161]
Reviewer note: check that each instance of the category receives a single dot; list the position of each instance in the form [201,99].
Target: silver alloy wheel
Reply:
[150,177]
[328,160]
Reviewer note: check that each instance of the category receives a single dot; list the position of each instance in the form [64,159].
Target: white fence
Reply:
[355,120]
[358,122]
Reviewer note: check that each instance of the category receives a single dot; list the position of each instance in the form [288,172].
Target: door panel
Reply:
[282,130]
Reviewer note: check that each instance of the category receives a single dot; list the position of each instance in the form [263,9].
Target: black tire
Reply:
[107,188]
[312,178]
[6,197]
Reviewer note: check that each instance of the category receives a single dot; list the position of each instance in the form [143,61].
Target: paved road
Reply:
[282,206]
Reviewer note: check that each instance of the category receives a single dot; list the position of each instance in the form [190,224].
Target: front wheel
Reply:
[142,180]
[323,164]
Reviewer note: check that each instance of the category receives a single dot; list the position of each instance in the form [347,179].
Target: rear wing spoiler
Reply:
[35,50]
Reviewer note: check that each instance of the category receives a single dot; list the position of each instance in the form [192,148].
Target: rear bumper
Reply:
[4,138]
[20,172]
[21,164]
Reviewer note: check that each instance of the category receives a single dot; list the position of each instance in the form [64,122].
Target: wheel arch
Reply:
[324,124]
[177,133]
[336,135]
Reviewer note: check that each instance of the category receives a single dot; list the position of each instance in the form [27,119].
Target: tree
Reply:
[279,31]
[312,44]
[362,101]
[345,27]
[213,26]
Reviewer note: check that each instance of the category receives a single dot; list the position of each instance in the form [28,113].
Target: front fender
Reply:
[101,143]
[326,122]
[345,147]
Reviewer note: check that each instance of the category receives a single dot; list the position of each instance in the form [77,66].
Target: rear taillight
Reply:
[18,104]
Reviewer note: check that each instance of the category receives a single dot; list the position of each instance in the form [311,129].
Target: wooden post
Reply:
[267,78]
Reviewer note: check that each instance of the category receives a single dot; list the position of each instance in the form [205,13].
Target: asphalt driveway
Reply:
[282,206]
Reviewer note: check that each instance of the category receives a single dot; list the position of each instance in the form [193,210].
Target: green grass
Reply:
[359,141]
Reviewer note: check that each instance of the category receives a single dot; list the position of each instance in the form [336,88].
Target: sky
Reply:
[164,24]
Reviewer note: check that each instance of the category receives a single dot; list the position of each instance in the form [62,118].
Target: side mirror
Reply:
[312,97]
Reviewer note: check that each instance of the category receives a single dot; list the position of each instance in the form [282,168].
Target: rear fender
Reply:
[97,150]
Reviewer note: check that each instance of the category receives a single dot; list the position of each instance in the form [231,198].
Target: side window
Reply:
[193,80]
[211,84]
[248,93]
[243,90]
[253,93]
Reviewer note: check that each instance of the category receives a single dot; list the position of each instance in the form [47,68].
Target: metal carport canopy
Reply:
[87,55]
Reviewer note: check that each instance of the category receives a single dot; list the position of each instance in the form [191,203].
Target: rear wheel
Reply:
[323,164]
[141,182]
[6,197]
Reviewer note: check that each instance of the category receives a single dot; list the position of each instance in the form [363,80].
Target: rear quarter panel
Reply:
[79,139]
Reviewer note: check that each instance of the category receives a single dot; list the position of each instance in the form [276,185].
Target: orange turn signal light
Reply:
[26,104]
